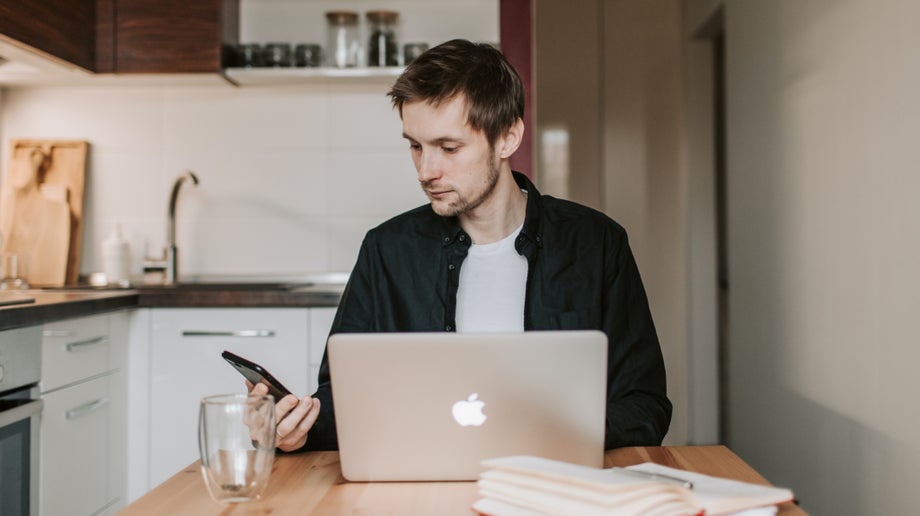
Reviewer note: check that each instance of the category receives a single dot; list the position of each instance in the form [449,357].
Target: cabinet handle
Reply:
[83,410]
[75,346]
[233,333]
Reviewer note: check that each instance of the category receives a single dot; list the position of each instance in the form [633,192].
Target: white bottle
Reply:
[116,257]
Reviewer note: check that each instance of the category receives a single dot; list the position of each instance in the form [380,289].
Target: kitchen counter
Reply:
[56,304]
[239,295]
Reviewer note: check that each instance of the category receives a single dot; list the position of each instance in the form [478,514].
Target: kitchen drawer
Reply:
[75,435]
[74,350]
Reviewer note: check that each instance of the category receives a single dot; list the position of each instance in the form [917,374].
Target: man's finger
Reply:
[307,422]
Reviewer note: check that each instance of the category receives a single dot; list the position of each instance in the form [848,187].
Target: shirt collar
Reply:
[533,230]
[452,232]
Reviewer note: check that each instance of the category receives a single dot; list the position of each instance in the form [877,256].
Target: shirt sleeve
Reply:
[355,314]
[638,409]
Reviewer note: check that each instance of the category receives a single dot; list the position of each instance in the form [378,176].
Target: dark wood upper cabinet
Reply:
[171,36]
[126,36]
[62,29]
[178,36]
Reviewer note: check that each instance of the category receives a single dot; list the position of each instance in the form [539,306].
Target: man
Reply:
[490,253]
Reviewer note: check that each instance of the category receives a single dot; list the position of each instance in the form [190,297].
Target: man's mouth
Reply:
[436,193]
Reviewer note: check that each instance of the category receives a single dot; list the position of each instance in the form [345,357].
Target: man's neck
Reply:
[501,214]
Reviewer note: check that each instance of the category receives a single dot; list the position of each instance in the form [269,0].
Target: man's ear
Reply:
[511,140]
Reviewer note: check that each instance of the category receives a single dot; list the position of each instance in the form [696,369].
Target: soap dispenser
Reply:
[116,258]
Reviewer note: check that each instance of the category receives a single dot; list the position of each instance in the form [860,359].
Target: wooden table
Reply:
[312,483]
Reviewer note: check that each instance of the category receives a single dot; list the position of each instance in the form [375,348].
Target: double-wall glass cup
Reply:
[12,275]
[236,437]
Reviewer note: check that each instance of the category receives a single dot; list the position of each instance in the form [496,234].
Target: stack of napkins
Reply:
[530,486]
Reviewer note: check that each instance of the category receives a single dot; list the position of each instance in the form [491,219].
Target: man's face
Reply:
[457,168]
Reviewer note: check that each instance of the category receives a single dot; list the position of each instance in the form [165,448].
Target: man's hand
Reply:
[293,417]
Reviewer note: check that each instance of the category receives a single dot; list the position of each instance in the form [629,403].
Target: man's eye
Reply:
[415,146]
[450,150]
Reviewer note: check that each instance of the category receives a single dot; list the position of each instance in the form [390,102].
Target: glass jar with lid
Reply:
[382,49]
[343,47]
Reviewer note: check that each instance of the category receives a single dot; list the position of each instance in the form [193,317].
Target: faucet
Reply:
[169,259]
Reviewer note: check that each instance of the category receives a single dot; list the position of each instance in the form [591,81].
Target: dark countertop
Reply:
[191,296]
[55,304]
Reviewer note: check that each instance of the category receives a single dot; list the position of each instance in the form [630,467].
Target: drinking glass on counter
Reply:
[12,272]
[236,437]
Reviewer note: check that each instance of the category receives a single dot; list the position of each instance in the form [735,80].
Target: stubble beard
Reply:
[463,205]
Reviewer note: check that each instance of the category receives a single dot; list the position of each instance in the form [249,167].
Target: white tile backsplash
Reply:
[251,118]
[125,119]
[363,118]
[291,176]
[125,183]
[346,232]
[373,182]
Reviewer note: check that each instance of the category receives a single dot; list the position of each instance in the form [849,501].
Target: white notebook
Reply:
[530,486]
[432,406]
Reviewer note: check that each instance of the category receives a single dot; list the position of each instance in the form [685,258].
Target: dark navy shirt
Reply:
[581,275]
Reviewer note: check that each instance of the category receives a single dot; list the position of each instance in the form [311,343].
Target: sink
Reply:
[322,278]
[319,282]
[222,286]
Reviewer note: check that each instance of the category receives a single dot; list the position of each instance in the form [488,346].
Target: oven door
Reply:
[19,431]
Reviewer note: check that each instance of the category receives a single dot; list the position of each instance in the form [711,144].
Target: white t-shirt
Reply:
[493,284]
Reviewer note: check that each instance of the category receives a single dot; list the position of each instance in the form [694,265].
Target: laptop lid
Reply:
[431,406]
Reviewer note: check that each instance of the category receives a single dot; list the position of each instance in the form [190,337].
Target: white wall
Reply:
[291,176]
[824,237]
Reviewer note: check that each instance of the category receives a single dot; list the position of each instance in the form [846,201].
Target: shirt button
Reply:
[448,328]
[451,267]
[446,239]
[462,238]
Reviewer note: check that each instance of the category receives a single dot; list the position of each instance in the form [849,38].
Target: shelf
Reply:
[275,76]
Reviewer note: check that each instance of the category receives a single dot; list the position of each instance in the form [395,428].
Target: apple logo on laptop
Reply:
[468,412]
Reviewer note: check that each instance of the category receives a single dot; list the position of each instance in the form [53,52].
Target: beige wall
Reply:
[824,238]
[567,90]
[608,73]
[643,174]
[823,113]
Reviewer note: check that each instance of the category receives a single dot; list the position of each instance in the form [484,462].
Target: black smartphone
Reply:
[256,374]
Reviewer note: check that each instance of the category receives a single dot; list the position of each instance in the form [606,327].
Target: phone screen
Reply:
[256,374]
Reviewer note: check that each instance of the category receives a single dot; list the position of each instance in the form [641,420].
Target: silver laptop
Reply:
[431,406]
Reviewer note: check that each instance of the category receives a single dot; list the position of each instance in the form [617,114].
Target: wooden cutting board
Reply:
[41,208]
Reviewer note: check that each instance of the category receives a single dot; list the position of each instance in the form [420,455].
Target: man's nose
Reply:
[428,167]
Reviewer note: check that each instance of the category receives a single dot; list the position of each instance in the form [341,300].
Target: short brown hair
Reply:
[478,71]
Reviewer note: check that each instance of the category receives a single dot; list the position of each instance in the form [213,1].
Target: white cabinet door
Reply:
[186,366]
[320,324]
[83,429]
[74,449]
[74,350]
